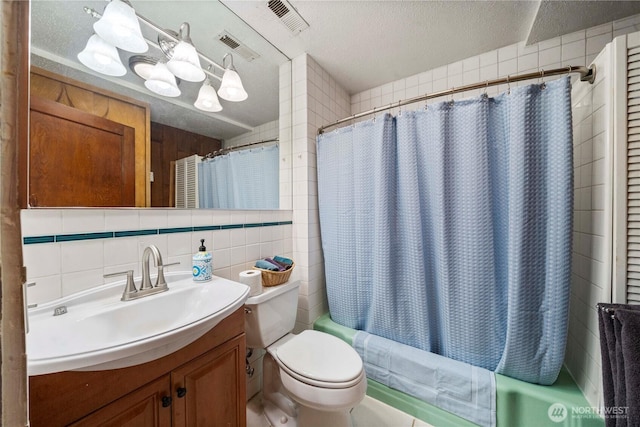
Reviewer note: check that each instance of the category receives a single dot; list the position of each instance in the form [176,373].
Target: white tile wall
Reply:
[286,134]
[263,132]
[317,100]
[591,266]
[62,268]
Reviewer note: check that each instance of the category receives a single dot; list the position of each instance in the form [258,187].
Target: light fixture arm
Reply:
[231,67]
[187,29]
[159,30]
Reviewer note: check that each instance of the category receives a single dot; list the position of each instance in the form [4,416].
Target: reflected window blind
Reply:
[633,176]
[187,182]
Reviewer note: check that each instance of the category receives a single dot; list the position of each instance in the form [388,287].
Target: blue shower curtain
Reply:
[449,229]
[245,179]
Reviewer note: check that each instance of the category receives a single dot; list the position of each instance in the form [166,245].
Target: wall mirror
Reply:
[177,129]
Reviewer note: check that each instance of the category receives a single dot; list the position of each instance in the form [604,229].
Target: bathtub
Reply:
[518,403]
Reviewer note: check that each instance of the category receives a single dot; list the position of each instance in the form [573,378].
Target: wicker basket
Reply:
[274,278]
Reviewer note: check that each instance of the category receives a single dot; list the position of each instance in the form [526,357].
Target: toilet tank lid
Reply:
[320,356]
[271,292]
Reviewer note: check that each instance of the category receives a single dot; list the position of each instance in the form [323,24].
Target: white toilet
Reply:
[312,379]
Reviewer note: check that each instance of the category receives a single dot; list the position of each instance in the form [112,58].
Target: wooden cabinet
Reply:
[207,390]
[202,384]
[149,406]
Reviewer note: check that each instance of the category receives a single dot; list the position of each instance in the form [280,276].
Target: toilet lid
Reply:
[320,356]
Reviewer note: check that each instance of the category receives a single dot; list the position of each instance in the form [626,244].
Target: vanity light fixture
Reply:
[231,88]
[102,57]
[119,26]
[207,98]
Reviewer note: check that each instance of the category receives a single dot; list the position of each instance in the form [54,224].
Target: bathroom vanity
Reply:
[202,384]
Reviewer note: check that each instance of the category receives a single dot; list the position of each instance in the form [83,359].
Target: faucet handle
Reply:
[161,282]
[130,287]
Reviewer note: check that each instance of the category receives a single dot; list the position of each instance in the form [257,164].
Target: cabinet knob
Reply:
[181,391]
[166,401]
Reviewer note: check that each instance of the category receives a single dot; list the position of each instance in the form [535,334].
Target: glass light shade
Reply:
[207,99]
[100,56]
[142,69]
[231,88]
[185,64]
[162,82]
[119,26]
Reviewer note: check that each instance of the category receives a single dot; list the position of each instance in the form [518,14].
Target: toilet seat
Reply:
[321,360]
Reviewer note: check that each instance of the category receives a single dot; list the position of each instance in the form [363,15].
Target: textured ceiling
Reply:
[362,44]
[555,18]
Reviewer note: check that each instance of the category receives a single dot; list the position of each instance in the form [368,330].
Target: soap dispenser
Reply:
[202,265]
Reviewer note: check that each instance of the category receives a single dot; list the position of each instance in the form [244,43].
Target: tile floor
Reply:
[369,413]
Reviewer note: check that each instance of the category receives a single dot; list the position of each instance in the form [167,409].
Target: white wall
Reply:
[285,126]
[317,99]
[592,225]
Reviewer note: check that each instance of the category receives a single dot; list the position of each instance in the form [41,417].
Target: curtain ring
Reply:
[453,90]
[543,85]
[400,107]
[486,89]
[508,85]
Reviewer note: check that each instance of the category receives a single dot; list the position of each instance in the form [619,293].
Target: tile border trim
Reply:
[75,237]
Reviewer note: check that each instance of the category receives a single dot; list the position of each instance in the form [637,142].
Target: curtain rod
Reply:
[237,147]
[586,75]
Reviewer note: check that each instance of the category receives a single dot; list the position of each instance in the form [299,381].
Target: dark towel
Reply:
[281,267]
[607,352]
[629,321]
[619,379]
[266,265]
[618,369]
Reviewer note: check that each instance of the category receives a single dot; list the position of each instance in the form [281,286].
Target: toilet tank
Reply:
[271,315]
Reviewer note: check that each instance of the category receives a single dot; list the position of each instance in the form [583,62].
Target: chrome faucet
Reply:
[157,260]
[146,288]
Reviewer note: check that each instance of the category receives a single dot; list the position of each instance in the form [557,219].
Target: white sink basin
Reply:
[101,332]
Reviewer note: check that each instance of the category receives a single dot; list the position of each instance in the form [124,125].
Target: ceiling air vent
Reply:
[237,46]
[288,15]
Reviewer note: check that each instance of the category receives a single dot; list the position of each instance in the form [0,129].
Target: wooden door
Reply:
[79,159]
[142,408]
[210,391]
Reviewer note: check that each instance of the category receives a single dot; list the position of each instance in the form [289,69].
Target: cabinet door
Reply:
[210,391]
[141,408]
[78,159]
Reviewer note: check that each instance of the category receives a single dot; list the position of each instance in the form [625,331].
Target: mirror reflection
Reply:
[182,112]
